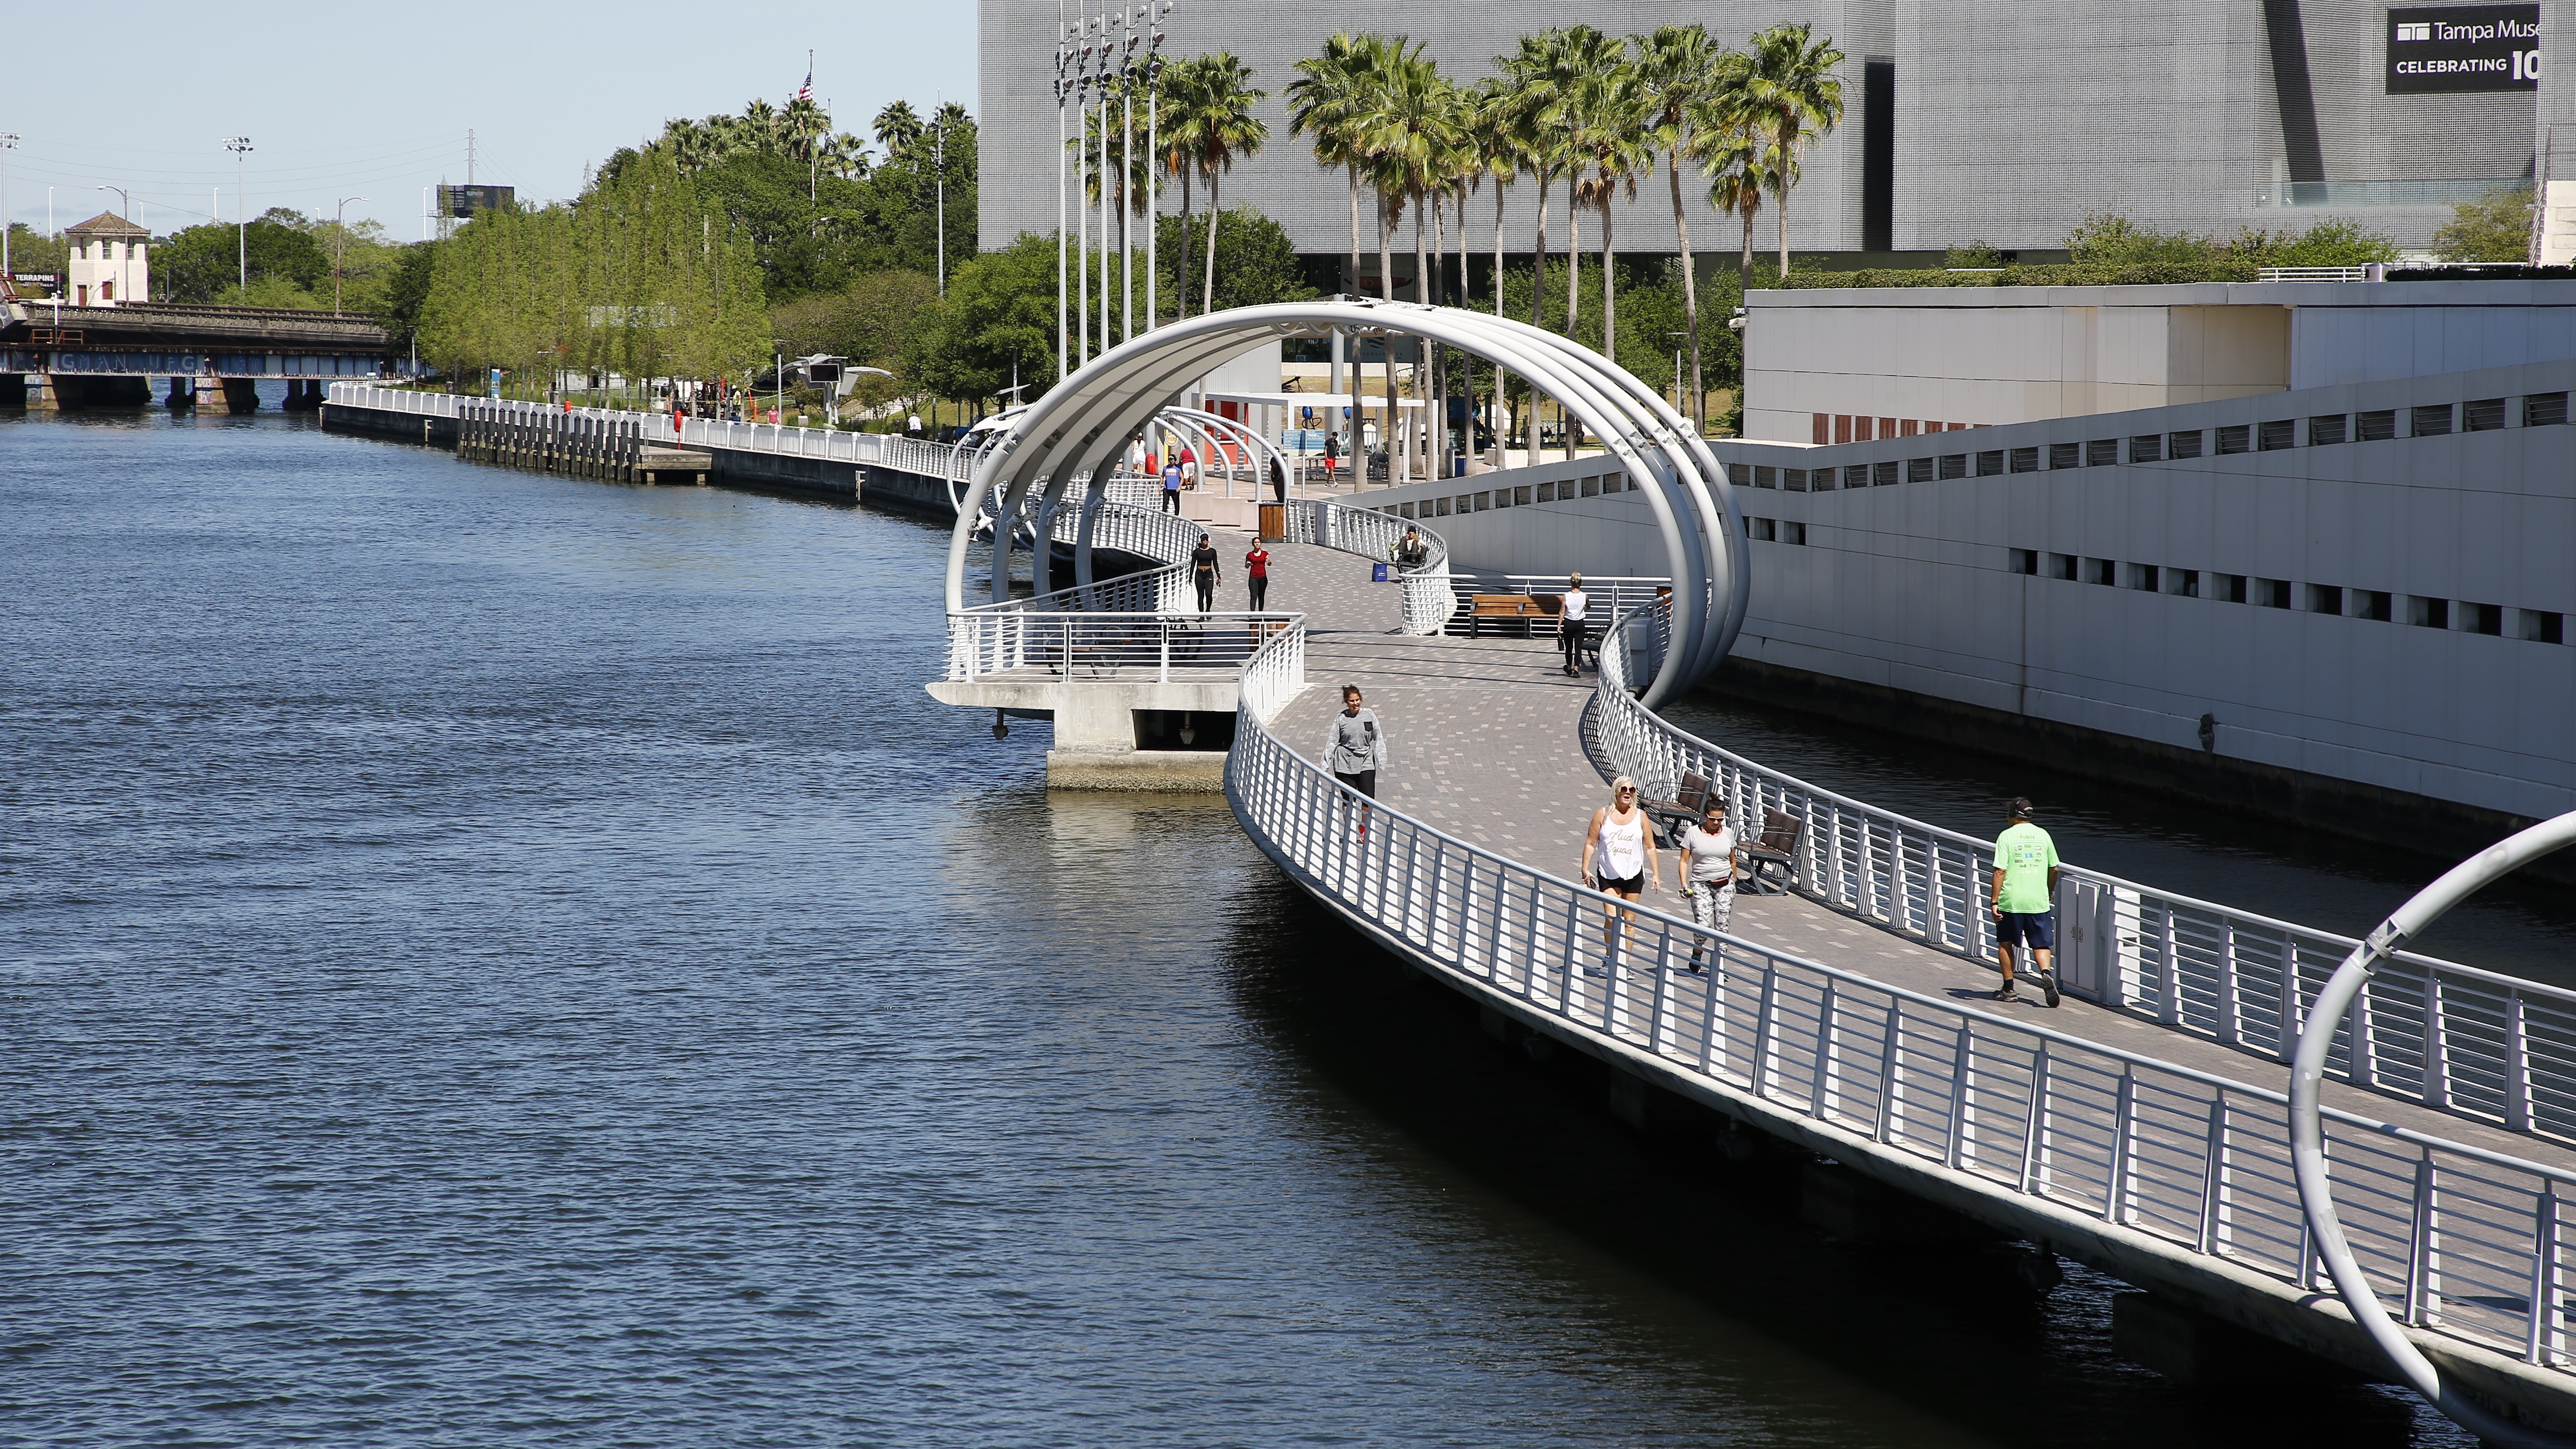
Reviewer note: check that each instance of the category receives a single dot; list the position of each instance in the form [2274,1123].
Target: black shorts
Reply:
[1634,885]
[1365,782]
[2036,930]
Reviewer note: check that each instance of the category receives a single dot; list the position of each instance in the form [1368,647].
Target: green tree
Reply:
[1681,68]
[1214,125]
[1256,264]
[1329,101]
[998,318]
[871,321]
[1793,88]
[2494,228]
[202,263]
[32,251]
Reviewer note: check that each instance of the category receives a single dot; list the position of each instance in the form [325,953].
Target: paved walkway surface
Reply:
[1486,742]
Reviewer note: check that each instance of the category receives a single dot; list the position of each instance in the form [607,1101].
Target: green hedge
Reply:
[2151,274]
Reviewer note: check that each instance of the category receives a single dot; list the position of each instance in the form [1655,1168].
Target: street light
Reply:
[125,204]
[339,244]
[240,147]
[8,143]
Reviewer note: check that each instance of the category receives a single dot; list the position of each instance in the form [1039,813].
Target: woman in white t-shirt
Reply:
[1618,859]
[1708,874]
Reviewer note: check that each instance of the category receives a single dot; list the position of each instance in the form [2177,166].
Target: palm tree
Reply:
[1681,67]
[802,124]
[1740,172]
[1578,56]
[1798,98]
[1533,82]
[897,127]
[1328,98]
[1175,85]
[1493,149]
[1613,142]
[1223,128]
[845,156]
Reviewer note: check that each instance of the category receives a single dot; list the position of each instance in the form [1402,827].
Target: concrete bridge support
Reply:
[183,394]
[303,395]
[13,389]
[241,395]
[72,392]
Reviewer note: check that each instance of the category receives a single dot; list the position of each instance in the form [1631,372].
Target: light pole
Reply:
[339,244]
[240,147]
[939,173]
[1063,328]
[124,204]
[1677,374]
[1127,174]
[8,143]
[1153,159]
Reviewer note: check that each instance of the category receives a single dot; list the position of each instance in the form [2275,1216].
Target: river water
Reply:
[487,958]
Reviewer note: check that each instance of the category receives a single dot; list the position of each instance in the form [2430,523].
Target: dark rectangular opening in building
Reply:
[1878,154]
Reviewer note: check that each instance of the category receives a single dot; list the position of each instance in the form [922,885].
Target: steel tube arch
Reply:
[2307,1132]
[1098,409]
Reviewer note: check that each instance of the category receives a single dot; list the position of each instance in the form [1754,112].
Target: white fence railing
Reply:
[2317,274]
[2473,1043]
[2468,1241]
[1376,535]
[1161,647]
[396,400]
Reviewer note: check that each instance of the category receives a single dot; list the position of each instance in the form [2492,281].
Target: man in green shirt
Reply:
[2025,891]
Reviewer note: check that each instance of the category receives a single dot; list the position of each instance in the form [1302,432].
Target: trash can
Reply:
[1274,522]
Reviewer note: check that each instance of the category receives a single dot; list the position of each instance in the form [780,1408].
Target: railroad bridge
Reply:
[109,356]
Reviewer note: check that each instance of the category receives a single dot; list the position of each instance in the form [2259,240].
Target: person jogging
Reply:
[2025,890]
[1570,625]
[1256,577]
[1709,857]
[1172,487]
[1618,859]
[1204,574]
[1355,749]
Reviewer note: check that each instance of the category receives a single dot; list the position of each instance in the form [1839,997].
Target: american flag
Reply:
[805,92]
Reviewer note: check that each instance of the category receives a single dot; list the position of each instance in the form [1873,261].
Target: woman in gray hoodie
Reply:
[1355,749]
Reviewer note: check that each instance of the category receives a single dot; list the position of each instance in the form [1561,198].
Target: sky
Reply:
[374,101]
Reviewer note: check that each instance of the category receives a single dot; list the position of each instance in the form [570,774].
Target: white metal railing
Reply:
[1161,647]
[2317,274]
[1374,534]
[393,400]
[1124,528]
[2467,1240]
[1605,596]
[2473,1043]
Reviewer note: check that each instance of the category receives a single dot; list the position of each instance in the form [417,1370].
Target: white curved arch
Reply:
[1085,423]
[2307,1132]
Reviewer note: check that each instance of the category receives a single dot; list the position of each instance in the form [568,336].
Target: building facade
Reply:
[1965,122]
[110,262]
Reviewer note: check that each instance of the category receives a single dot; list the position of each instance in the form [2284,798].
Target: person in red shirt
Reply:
[1256,575]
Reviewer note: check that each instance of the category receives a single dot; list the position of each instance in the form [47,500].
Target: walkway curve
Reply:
[1085,424]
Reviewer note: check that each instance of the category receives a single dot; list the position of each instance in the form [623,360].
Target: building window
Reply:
[2147,449]
[2227,588]
[1824,427]
[1887,427]
[2542,627]
[2235,438]
[2326,432]
[1547,491]
[2100,570]
[2142,577]
[2377,427]
[2429,421]
[1441,508]
[2544,410]
[2025,561]
[2101,451]
[1954,465]
[1592,486]
[1990,463]
[2482,618]
[1856,475]
[1842,427]
[1521,495]
[2025,460]
[1882,475]
[2063,566]
[2182,583]
[1864,429]
[2428,613]
[1766,477]
[1404,510]
[1792,531]
[2325,599]
[2277,434]
[2183,445]
[2483,416]
[1485,502]
[2064,455]
[1794,479]
[1739,474]
[2371,604]
[1761,528]
[2272,593]
[1918,470]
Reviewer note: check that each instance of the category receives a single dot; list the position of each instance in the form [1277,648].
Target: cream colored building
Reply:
[110,262]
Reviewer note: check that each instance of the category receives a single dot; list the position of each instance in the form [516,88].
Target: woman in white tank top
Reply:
[1618,858]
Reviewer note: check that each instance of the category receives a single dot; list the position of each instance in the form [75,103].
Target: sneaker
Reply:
[2007,994]
[2048,986]
[1596,973]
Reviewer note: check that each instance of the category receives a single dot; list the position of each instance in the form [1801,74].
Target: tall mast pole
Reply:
[1106,200]
[1063,327]
[1127,175]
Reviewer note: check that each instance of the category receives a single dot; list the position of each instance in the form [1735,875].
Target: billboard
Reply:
[463,202]
[2452,48]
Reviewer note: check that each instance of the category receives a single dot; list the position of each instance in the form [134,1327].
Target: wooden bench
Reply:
[1777,849]
[1522,608]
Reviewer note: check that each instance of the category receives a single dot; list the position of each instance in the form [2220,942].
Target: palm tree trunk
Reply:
[1498,249]
[1783,196]
[1385,253]
[1181,292]
[1538,299]
[1573,258]
[1355,229]
[1207,301]
[1690,292]
[1609,281]
[1744,264]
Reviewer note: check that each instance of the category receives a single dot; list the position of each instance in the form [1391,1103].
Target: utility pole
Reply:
[8,143]
[1127,175]
[240,147]
[339,244]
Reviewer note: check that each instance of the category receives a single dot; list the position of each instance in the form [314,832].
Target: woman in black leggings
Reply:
[1203,572]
